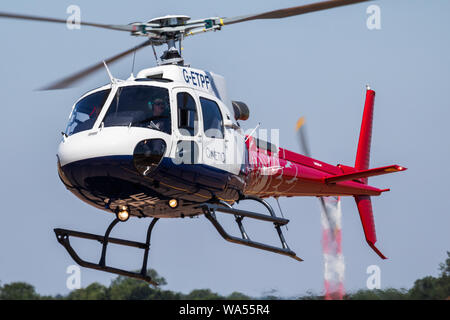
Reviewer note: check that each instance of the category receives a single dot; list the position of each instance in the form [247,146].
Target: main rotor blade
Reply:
[7,15]
[304,146]
[303,140]
[293,11]
[71,80]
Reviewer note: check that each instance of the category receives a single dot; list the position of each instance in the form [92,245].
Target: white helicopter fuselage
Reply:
[110,161]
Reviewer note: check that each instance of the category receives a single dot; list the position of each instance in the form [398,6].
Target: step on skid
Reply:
[210,210]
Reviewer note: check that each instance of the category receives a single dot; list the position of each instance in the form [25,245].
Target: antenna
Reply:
[132,67]
[113,80]
[253,131]
[154,53]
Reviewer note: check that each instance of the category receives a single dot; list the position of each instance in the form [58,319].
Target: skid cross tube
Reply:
[210,209]
[63,235]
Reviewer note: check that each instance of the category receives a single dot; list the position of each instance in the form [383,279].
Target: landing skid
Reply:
[209,209]
[62,235]
[210,212]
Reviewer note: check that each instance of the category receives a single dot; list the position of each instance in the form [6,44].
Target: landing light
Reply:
[123,214]
[173,203]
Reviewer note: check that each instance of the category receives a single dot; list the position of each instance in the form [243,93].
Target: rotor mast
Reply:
[172,55]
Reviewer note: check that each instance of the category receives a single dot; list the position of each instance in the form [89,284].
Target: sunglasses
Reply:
[158,103]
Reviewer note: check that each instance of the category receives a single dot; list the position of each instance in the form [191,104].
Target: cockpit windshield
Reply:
[140,106]
[86,111]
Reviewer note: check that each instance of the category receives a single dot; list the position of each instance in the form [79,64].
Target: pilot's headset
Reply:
[152,108]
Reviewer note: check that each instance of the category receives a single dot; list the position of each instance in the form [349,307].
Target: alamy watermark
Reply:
[74,20]
[374,19]
[220,148]
[374,279]
[74,279]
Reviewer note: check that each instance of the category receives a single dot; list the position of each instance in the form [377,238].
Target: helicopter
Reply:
[168,143]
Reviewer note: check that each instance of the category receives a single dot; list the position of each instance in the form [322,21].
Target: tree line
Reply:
[124,288]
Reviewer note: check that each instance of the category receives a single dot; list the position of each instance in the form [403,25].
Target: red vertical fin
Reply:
[365,213]
[364,203]
[365,135]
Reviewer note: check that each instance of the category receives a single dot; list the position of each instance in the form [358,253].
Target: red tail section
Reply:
[365,212]
[365,135]
[362,163]
[364,174]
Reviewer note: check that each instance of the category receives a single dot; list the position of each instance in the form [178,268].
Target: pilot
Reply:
[158,107]
[160,117]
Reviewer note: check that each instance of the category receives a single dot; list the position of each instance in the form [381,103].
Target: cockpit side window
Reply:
[212,119]
[140,106]
[187,114]
[86,111]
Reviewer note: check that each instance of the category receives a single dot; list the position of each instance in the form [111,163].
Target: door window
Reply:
[187,114]
[212,119]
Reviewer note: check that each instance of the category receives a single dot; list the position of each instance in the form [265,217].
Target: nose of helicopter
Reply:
[107,165]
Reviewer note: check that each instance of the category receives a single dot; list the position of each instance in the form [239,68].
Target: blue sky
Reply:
[315,65]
